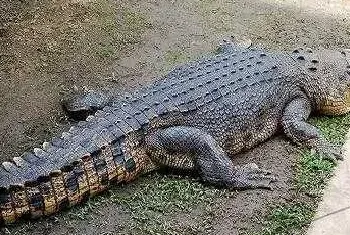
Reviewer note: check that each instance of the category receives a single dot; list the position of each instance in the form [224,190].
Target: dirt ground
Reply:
[49,47]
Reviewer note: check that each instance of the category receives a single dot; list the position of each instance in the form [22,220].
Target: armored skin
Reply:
[189,121]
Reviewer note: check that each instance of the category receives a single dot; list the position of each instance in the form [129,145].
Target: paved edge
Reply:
[333,213]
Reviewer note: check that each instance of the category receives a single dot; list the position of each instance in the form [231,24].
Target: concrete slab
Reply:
[333,215]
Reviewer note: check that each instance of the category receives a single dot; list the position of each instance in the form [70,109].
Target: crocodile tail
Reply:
[67,171]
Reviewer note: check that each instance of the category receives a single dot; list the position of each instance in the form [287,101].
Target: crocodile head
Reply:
[330,80]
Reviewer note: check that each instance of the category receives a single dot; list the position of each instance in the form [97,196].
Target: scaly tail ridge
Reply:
[68,170]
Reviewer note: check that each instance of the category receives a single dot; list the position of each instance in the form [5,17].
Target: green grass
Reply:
[312,174]
[154,201]
[333,128]
[311,177]
[288,219]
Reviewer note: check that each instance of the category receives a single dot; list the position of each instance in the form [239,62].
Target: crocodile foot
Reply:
[251,176]
[328,151]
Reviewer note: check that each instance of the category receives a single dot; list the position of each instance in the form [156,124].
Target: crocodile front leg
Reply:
[301,132]
[192,149]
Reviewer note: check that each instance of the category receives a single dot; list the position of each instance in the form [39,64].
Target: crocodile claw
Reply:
[328,151]
[251,176]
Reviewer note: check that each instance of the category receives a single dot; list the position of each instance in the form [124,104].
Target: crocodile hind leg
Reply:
[167,148]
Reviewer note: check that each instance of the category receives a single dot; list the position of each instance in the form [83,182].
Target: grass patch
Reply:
[153,202]
[333,128]
[312,174]
[288,219]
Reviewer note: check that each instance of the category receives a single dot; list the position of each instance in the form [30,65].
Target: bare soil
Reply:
[49,47]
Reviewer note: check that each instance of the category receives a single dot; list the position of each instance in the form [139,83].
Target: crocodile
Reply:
[193,120]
